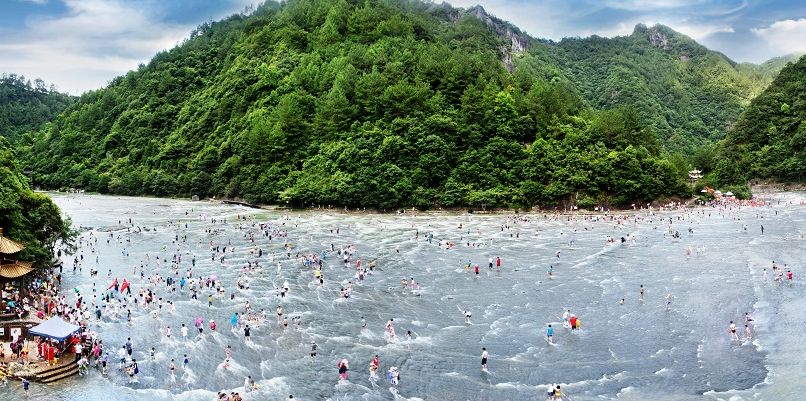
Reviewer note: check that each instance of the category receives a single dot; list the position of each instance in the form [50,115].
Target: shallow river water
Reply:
[632,351]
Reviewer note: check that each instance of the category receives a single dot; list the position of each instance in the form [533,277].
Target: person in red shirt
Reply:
[51,352]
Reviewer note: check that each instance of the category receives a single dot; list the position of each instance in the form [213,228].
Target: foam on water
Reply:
[632,351]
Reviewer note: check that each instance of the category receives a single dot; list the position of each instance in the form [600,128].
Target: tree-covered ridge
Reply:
[770,68]
[27,106]
[769,141]
[351,102]
[27,217]
[687,94]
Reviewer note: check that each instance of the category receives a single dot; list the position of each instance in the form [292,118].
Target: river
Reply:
[637,350]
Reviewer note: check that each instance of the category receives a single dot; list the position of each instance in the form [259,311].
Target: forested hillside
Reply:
[688,95]
[769,141]
[386,103]
[27,107]
[27,217]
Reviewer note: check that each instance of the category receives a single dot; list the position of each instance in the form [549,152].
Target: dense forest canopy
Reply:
[769,141]
[386,103]
[688,95]
[27,217]
[27,106]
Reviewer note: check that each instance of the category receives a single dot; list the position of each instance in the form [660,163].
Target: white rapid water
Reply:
[631,351]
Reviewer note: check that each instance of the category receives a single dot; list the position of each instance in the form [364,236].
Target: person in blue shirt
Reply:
[234,320]
[550,334]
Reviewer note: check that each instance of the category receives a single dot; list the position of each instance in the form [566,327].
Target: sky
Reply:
[81,45]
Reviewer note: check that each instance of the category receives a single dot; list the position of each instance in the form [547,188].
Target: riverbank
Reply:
[656,205]
[775,187]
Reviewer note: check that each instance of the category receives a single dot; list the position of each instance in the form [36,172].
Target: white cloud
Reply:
[648,5]
[620,29]
[93,42]
[552,19]
[701,32]
[787,36]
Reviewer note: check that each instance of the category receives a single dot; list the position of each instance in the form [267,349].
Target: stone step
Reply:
[60,376]
[56,371]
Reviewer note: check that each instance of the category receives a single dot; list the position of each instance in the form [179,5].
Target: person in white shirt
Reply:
[484,356]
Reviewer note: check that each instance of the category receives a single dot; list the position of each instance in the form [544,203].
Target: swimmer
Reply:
[550,334]
[732,331]
[390,327]
[172,368]
[373,370]
[343,368]
[484,356]
[565,317]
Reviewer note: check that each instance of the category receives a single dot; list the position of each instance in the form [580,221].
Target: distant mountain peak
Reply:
[659,35]
[518,41]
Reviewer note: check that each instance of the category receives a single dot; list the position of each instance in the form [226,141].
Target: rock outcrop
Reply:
[517,41]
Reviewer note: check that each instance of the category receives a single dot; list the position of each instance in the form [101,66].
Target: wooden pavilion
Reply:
[11,270]
[10,267]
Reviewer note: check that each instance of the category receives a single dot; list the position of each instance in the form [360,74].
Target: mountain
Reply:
[770,68]
[333,102]
[769,140]
[687,94]
[26,107]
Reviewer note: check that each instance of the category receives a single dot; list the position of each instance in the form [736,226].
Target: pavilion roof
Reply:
[9,246]
[15,270]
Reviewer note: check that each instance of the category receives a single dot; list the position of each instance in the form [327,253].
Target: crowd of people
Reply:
[157,281]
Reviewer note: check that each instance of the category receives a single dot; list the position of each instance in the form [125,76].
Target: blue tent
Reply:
[54,328]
